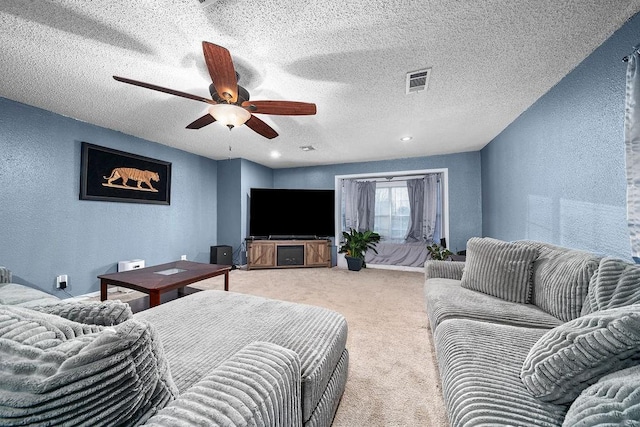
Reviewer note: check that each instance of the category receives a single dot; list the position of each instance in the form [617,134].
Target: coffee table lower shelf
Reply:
[158,279]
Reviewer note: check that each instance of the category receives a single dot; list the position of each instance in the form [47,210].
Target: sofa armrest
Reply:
[443,269]
[258,386]
[104,313]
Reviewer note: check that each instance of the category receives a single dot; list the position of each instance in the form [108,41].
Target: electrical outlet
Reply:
[61,281]
[183,258]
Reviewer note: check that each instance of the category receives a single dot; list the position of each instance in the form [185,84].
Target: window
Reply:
[392,210]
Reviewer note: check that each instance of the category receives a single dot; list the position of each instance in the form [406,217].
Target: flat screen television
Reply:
[291,213]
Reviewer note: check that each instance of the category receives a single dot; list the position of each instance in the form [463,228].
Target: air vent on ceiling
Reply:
[418,80]
[206,2]
[307,148]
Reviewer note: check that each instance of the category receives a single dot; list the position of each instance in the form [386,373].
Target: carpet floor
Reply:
[393,375]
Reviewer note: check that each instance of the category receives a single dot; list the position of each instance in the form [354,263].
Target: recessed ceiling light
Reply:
[406,138]
[275,154]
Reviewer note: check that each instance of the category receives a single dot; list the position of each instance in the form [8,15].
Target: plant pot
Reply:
[354,264]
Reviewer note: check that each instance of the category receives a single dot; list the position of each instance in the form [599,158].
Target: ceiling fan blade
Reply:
[284,108]
[261,127]
[221,70]
[207,119]
[164,89]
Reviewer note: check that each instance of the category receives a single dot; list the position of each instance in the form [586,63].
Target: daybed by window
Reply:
[407,211]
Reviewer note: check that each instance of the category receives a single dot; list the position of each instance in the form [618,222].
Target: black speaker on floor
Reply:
[221,255]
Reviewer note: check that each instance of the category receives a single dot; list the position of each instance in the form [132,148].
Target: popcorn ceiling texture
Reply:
[491,60]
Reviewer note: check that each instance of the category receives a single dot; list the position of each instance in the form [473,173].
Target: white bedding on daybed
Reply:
[405,254]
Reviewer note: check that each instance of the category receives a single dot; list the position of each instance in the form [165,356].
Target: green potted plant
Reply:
[438,252]
[356,244]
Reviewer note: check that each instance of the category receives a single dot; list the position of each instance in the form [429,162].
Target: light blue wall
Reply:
[230,203]
[556,174]
[48,231]
[236,177]
[465,212]
[253,176]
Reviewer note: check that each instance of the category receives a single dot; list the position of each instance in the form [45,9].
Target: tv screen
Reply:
[291,213]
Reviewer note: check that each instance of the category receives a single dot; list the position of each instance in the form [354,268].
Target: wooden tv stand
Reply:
[288,253]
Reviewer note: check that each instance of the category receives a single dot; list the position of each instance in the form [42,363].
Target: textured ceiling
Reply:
[490,61]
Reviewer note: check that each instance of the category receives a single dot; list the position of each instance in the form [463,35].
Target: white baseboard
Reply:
[396,267]
[110,290]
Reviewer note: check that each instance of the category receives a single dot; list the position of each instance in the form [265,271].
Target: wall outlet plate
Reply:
[183,258]
[61,281]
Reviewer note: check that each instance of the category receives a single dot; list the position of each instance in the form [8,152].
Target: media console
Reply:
[288,253]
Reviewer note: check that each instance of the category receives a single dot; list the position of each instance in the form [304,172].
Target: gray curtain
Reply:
[632,147]
[350,188]
[438,232]
[415,232]
[359,204]
[431,188]
[424,205]
[366,205]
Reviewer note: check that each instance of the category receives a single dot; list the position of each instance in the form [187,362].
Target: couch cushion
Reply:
[613,400]
[479,365]
[202,330]
[446,299]
[615,284]
[561,279]
[13,294]
[54,371]
[259,386]
[498,268]
[570,357]
[105,313]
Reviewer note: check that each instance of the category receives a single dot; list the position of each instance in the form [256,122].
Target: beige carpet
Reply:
[393,378]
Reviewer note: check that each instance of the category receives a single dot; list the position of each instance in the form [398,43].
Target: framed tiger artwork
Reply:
[116,176]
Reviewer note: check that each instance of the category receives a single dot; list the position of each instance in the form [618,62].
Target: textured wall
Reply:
[465,215]
[229,203]
[556,174]
[253,176]
[48,231]
[236,177]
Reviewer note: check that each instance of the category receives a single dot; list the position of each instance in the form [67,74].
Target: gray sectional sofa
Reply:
[210,358]
[532,334]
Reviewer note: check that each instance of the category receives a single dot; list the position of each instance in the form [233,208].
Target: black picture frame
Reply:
[103,170]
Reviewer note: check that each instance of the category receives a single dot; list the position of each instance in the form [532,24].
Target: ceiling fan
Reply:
[230,103]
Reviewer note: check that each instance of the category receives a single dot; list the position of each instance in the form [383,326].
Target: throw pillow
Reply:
[574,355]
[613,400]
[615,284]
[561,279]
[54,371]
[499,268]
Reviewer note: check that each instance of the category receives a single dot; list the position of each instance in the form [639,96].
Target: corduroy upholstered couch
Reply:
[531,334]
[210,358]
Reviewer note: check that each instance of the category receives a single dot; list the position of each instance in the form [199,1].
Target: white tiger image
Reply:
[134,174]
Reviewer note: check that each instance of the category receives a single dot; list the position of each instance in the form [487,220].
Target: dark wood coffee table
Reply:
[162,278]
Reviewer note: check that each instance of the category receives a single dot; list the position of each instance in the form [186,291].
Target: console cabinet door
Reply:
[317,253]
[261,254]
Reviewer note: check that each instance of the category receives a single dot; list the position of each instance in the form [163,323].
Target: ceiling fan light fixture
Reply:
[229,115]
